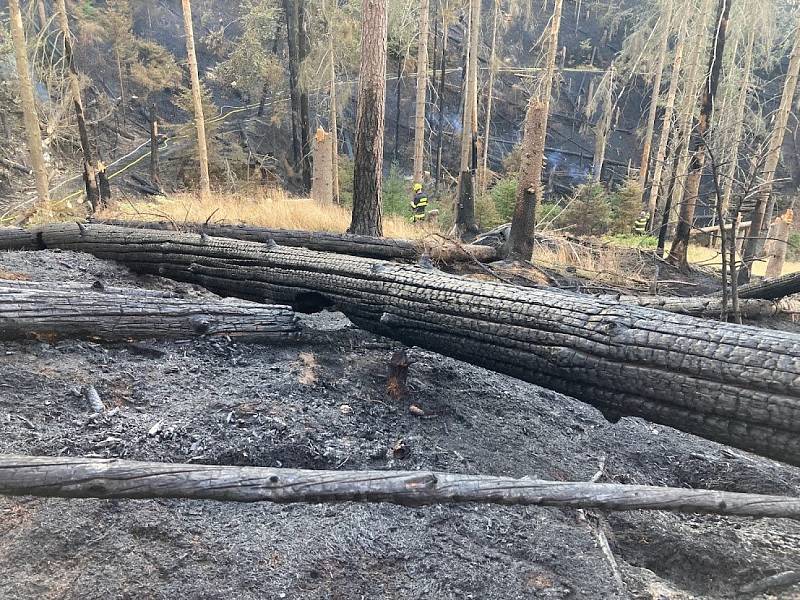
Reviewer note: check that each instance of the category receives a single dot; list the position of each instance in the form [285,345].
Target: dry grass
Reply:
[711,257]
[265,208]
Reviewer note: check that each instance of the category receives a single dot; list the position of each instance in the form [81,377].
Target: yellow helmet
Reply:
[417,187]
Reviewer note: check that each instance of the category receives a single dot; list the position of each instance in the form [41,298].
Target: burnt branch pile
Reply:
[60,310]
[730,383]
[98,478]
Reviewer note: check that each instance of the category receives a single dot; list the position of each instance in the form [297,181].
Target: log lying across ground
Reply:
[65,477]
[711,306]
[772,289]
[438,249]
[730,383]
[59,310]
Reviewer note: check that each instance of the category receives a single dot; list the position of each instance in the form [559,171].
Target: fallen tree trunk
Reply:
[57,310]
[65,477]
[730,383]
[439,249]
[10,164]
[772,289]
[711,306]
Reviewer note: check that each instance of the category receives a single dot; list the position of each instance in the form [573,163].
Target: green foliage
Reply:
[793,251]
[486,213]
[630,240]
[249,63]
[346,181]
[396,195]
[548,212]
[146,66]
[589,211]
[504,197]
[626,205]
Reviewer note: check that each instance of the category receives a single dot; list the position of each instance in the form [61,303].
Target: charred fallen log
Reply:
[65,477]
[51,310]
[772,289]
[730,383]
[711,306]
[440,249]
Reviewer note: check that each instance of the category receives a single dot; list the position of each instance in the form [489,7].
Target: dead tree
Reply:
[680,245]
[155,175]
[733,384]
[58,310]
[67,477]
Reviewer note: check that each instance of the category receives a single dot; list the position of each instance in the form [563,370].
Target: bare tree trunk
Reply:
[523,225]
[422,89]
[34,137]
[680,246]
[489,99]
[294,76]
[397,99]
[465,208]
[777,244]
[666,24]
[199,119]
[667,208]
[741,106]
[322,184]
[121,84]
[370,122]
[602,129]
[440,95]
[89,175]
[305,126]
[155,177]
[755,243]
[42,13]
[666,124]
[333,118]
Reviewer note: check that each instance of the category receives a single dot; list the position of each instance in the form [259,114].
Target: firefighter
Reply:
[419,204]
[640,226]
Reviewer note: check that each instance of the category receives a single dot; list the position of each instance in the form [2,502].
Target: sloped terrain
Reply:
[322,403]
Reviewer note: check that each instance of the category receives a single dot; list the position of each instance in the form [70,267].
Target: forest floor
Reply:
[322,403]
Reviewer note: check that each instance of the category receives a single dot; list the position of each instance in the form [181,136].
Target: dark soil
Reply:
[322,403]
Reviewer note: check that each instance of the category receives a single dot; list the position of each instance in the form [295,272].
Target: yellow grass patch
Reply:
[264,208]
[711,257]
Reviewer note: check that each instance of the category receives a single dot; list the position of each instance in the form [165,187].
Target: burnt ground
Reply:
[322,403]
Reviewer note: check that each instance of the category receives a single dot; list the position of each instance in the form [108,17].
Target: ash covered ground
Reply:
[322,404]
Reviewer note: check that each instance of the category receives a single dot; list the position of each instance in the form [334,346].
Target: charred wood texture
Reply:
[340,243]
[711,306]
[772,289]
[734,384]
[64,477]
[58,310]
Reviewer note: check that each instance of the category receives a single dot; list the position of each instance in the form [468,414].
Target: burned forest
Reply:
[399,299]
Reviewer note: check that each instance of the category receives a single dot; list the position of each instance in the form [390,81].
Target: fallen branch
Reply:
[729,383]
[772,289]
[783,579]
[439,249]
[59,310]
[65,477]
[16,166]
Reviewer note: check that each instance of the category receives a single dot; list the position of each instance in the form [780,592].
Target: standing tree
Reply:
[197,96]
[603,126]
[680,245]
[759,222]
[489,98]
[422,88]
[666,123]
[665,23]
[529,187]
[89,175]
[370,116]
[465,208]
[28,102]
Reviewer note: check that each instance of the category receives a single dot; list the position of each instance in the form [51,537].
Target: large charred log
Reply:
[730,383]
[59,310]
[439,249]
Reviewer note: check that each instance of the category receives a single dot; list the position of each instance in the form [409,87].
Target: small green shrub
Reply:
[589,212]
[626,205]
[486,213]
[630,240]
[396,195]
[504,196]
